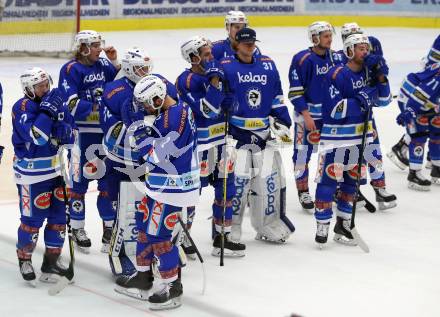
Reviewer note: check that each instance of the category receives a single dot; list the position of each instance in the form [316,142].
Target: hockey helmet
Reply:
[148,89]
[352,40]
[316,28]
[192,46]
[135,59]
[31,77]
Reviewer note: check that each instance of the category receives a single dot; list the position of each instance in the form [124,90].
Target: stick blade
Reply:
[360,242]
[59,286]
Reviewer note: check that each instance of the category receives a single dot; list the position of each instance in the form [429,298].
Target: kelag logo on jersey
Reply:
[361,83]
[94,77]
[254,98]
[322,70]
[251,78]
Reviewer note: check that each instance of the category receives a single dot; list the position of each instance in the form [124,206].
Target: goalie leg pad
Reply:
[267,201]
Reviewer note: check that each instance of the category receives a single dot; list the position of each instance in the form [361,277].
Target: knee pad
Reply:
[54,235]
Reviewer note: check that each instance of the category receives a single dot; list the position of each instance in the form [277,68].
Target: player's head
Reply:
[321,34]
[350,28]
[88,44]
[234,22]
[136,63]
[356,47]
[35,82]
[196,50]
[150,93]
[246,39]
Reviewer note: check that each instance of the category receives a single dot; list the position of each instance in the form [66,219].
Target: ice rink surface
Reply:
[399,277]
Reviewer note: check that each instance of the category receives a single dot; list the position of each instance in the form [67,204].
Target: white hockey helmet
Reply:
[87,37]
[352,40]
[31,77]
[350,28]
[317,27]
[135,59]
[148,89]
[192,46]
[235,17]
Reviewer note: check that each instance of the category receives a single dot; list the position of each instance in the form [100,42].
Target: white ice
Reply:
[400,277]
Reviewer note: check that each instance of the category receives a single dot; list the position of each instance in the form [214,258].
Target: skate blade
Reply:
[49,278]
[339,238]
[435,180]
[59,286]
[266,239]
[170,304]
[418,187]
[228,253]
[105,248]
[310,211]
[393,158]
[82,249]
[320,246]
[132,292]
[32,283]
[386,205]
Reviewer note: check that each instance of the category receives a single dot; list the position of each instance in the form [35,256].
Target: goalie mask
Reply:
[136,64]
[351,41]
[316,28]
[148,91]
[87,37]
[31,77]
[191,48]
[350,28]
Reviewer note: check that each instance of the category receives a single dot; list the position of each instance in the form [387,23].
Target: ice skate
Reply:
[81,240]
[384,199]
[106,238]
[52,268]
[342,232]
[321,233]
[399,154]
[167,297]
[435,175]
[417,181]
[136,285]
[27,271]
[231,248]
[306,202]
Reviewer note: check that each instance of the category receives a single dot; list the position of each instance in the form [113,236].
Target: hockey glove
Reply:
[279,129]
[63,133]
[130,113]
[51,103]
[367,97]
[228,102]
[214,69]
[406,117]
[377,64]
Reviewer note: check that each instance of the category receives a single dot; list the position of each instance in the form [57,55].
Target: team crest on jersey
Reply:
[254,98]
[313,137]
[77,206]
[353,172]
[436,121]
[42,201]
[422,120]
[335,171]
[418,151]
[171,220]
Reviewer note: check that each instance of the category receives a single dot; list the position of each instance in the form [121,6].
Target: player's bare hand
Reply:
[308,121]
[111,53]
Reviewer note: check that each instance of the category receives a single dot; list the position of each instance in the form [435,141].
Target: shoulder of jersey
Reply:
[114,88]
[69,66]
[302,56]
[23,104]
[335,73]
[264,58]
[227,60]
[219,42]
[186,80]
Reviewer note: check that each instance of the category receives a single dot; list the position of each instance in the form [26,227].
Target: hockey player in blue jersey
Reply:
[40,125]
[384,199]
[234,22]
[168,149]
[1,111]
[200,87]
[419,102]
[81,82]
[306,73]
[122,161]
[399,152]
[257,114]
[351,90]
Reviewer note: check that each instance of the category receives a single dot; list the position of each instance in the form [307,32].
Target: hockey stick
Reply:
[353,229]
[197,252]
[65,280]
[368,204]
[225,179]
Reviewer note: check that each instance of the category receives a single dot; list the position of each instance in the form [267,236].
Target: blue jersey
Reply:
[223,48]
[173,175]
[35,158]
[421,91]
[115,95]
[434,53]
[306,74]
[1,103]
[196,90]
[81,86]
[342,114]
[258,94]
